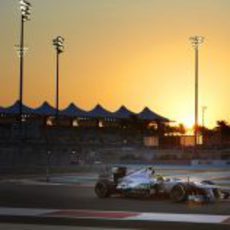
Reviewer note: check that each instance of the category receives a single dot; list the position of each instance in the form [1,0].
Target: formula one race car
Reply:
[145,183]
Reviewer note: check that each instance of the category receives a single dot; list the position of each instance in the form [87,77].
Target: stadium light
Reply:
[204,108]
[196,42]
[25,8]
[58,43]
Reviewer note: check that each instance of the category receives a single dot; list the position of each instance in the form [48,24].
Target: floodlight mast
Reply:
[25,8]
[58,43]
[196,42]
[204,108]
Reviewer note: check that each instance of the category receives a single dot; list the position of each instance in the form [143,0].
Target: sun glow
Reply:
[188,122]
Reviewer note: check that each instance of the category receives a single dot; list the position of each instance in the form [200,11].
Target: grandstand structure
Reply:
[40,138]
[75,135]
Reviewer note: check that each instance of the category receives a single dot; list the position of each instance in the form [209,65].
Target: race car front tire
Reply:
[178,193]
[103,189]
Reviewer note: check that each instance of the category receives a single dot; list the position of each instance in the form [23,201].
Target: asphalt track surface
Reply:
[77,197]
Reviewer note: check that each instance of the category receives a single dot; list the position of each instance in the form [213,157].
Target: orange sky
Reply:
[131,52]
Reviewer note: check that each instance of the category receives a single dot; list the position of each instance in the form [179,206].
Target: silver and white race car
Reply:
[146,183]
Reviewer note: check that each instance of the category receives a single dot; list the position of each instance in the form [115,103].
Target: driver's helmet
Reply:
[159,177]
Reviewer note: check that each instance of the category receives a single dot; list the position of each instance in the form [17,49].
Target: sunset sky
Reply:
[131,52]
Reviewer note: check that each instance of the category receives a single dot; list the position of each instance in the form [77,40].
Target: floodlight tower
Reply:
[196,42]
[204,108]
[58,43]
[25,7]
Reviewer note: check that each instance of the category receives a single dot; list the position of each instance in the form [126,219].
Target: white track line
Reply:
[191,218]
[96,214]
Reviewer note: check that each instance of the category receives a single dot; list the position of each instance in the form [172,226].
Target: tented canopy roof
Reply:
[99,112]
[147,114]
[45,110]
[14,109]
[123,113]
[73,111]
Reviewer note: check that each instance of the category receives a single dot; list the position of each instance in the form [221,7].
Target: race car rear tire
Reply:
[103,189]
[178,193]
